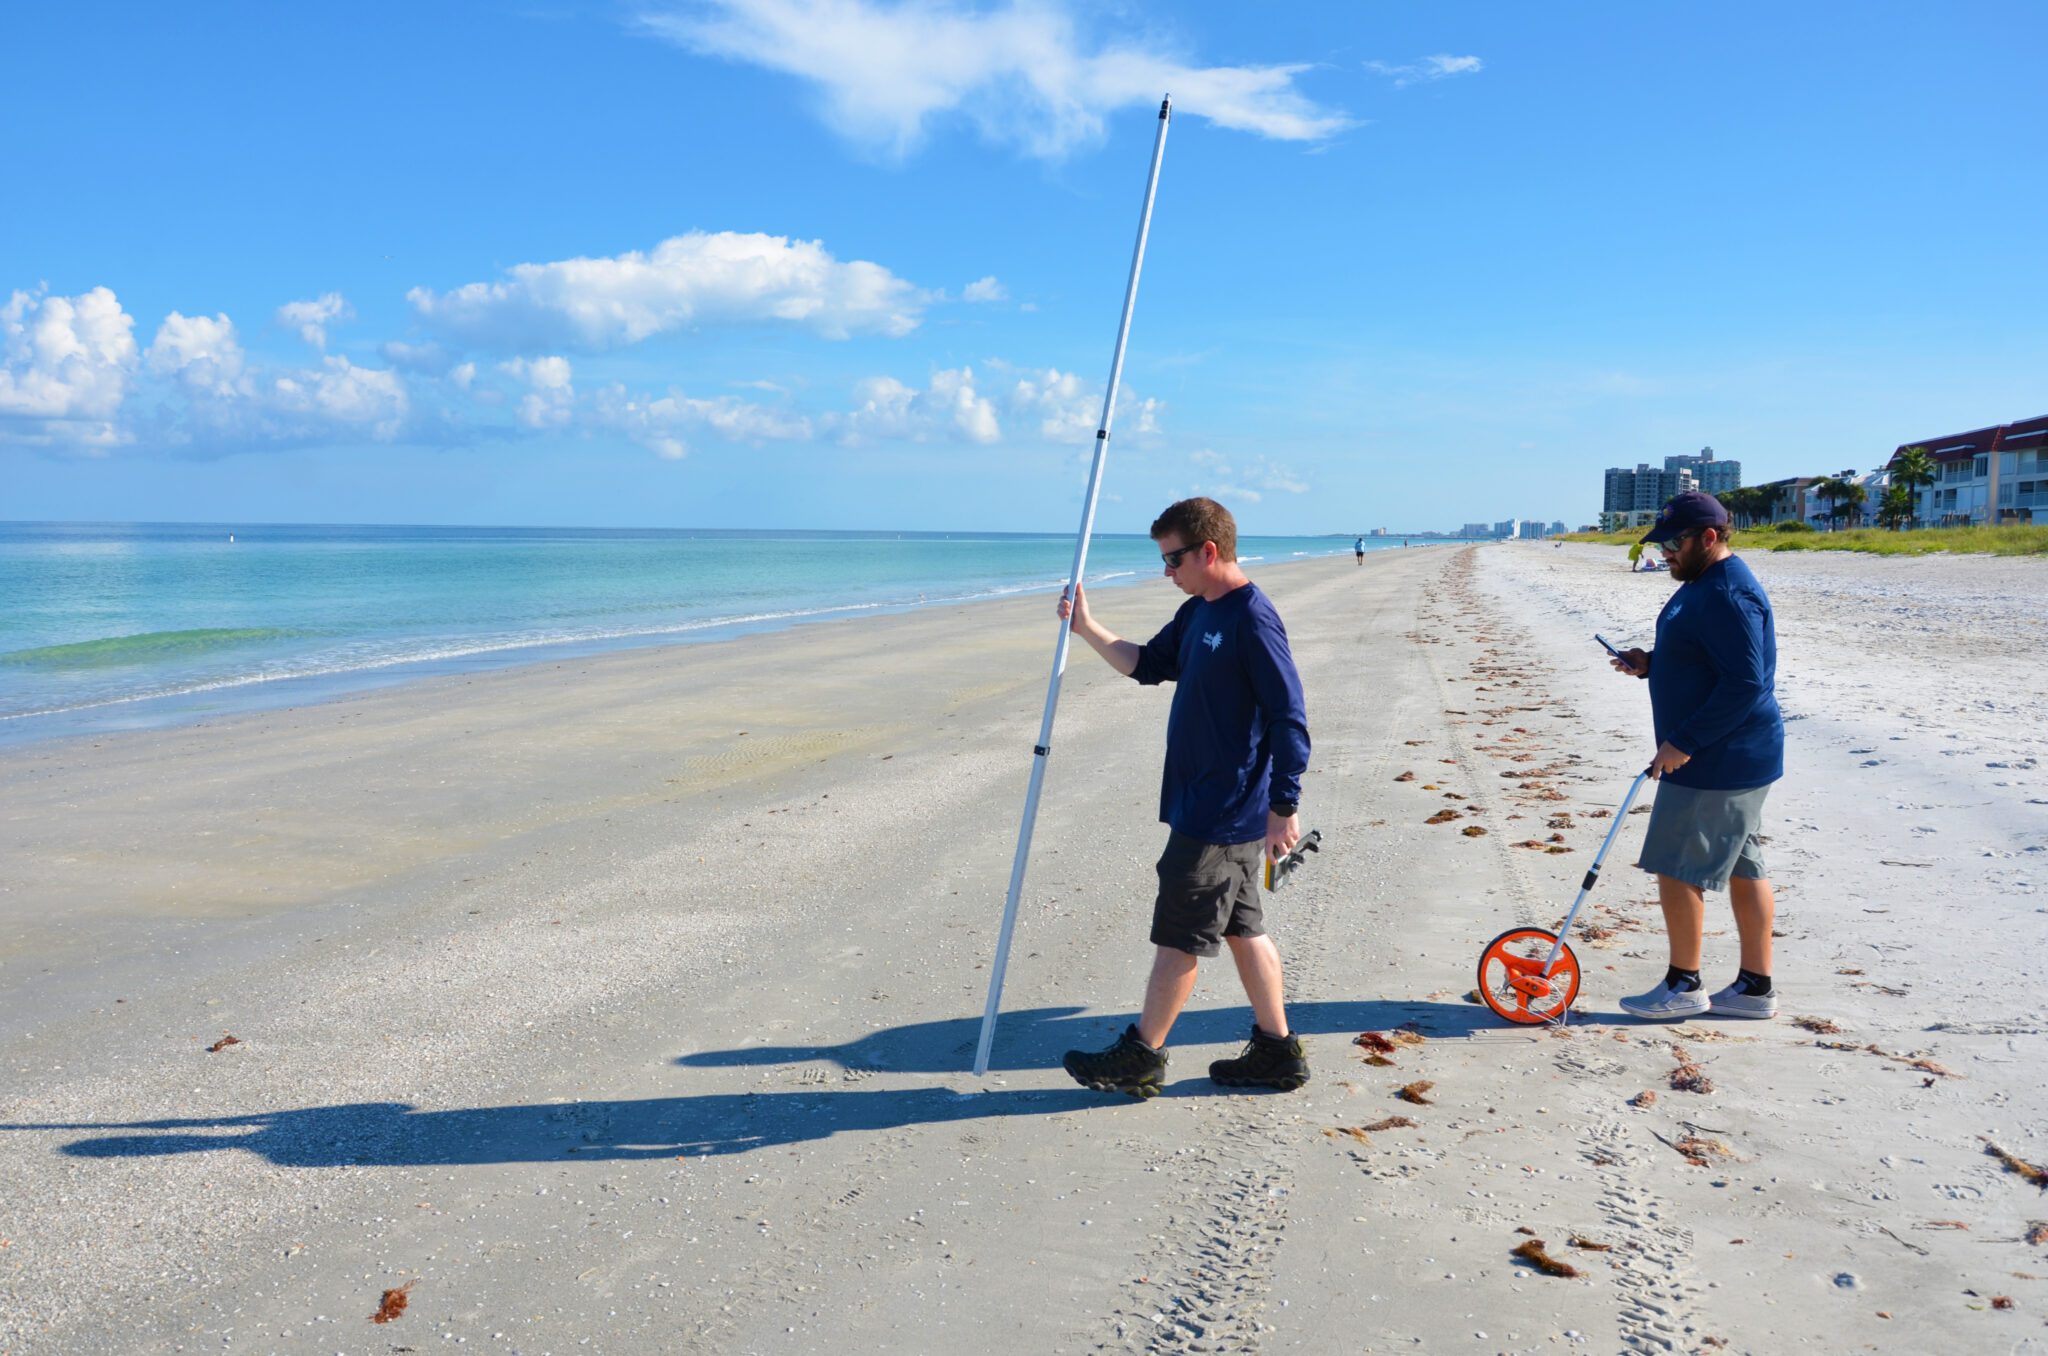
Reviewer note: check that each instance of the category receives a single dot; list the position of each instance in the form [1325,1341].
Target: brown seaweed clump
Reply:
[1532,1252]
[393,1303]
[1444,816]
[2028,1172]
[1417,1092]
[1374,1041]
[1819,1026]
[1688,1076]
[1395,1123]
[1473,831]
[223,1043]
[1647,1097]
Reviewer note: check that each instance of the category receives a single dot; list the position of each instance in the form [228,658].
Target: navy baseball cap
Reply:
[1685,513]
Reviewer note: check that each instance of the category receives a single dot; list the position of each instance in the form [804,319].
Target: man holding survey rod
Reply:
[1236,747]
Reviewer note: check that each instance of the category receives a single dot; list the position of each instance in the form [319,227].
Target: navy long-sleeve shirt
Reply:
[1237,737]
[1713,681]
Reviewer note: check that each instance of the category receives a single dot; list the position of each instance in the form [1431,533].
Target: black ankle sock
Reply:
[1681,981]
[1750,984]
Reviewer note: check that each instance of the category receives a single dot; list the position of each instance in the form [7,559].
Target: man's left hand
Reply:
[1281,834]
[1669,758]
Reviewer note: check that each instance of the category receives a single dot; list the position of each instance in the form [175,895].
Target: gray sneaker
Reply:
[1664,1004]
[1732,1002]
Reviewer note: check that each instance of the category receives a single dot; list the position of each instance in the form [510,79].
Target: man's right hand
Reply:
[1633,662]
[1075,610]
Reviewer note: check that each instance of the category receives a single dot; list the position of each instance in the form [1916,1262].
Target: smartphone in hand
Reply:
[1609,648]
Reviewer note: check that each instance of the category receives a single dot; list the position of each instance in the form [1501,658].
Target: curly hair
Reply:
[1196,521]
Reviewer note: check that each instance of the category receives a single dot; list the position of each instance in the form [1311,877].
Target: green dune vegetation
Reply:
[2020,540]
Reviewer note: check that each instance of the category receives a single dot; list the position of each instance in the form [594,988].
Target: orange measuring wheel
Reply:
[1511,977]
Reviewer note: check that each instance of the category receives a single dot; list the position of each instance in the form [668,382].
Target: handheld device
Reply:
[1605,646]
[1278,872]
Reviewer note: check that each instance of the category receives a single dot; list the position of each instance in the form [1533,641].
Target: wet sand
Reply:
[626,1003]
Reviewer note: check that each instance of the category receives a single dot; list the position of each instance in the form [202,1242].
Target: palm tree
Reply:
[1895,510]
[1913,471]
[1829,490]
[1854,496]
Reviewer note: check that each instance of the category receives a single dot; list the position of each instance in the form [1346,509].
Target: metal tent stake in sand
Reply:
[1059,652]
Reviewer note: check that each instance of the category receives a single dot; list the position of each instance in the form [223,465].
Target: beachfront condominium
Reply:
[1988,475]
[1708,473]
[1632,498]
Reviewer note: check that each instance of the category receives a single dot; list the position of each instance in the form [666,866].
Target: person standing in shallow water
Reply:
[1720,745]
[1236,747]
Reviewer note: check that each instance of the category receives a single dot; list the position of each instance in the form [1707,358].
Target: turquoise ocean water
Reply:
[122,625]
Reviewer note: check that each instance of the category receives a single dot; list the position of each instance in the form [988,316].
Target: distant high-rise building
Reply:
[1475,530]
[1508,529]
[1558,529]
[1635,496]
[1712,476]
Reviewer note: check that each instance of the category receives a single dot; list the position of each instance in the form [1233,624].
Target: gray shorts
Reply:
[1704,837]
[1207,891]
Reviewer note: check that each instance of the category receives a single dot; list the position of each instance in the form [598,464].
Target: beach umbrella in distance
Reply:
[1043,749]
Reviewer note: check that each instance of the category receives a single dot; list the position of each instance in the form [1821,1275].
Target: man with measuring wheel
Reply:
[1236,747]
[1720,745]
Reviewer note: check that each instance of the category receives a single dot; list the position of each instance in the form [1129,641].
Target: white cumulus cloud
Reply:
[948,408]
[65,365]
[985,289]
[201,352]
[226,404]
[310,319]
[1023,72]
[692,279]
[1439,67]
[1066,407]
[550,399]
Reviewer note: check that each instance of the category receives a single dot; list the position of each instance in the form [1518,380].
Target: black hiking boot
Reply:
[1130,1066]
[1267,1062]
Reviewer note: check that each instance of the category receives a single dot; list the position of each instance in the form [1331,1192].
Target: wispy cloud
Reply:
[1023,73]
[664,423]
[1249,481]
[1439,67]
[699,278]
[985,289]
[310,319]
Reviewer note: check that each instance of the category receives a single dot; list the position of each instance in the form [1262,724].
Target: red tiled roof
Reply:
[1959,446]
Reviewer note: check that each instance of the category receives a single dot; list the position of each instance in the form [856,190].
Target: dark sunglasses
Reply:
[1677,543]
[1172,558]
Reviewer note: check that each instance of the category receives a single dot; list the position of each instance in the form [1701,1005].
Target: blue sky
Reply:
[847,263]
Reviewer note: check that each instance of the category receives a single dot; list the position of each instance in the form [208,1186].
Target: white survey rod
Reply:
[1059,652]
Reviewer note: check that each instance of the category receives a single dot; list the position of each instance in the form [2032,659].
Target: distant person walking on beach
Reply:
[1720,745]
[1236,747]
[1359,547]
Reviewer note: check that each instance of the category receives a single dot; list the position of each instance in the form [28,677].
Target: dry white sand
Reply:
[625,1004]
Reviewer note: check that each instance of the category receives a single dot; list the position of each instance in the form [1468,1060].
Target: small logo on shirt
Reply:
[1214,640]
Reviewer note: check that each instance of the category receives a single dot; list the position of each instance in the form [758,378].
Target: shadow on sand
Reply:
[1035,1038]
[396,1134]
